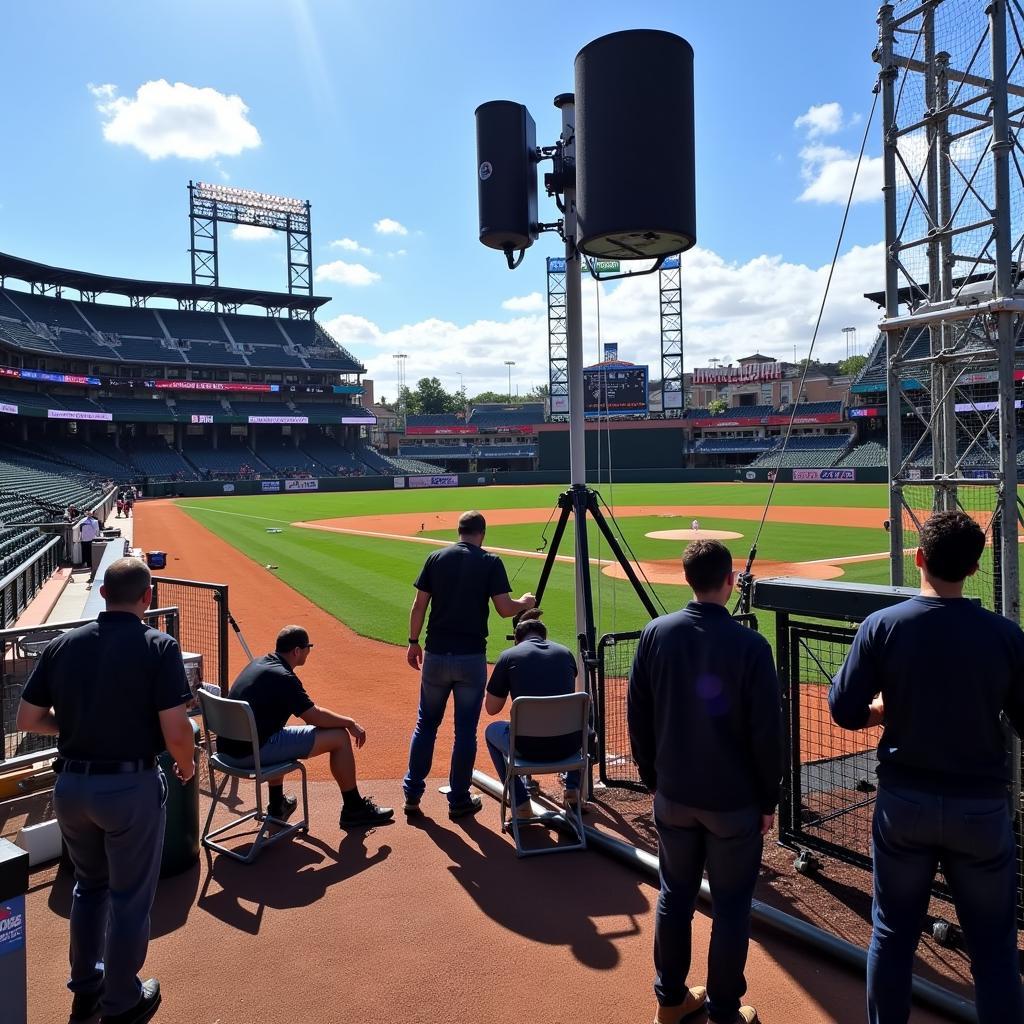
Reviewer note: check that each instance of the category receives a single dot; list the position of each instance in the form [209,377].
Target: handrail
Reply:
[12,576]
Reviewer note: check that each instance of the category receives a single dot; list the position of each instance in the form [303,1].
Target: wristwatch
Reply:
[414,641]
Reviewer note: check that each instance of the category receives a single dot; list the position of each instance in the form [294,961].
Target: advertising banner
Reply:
[201,418]
[429,431]
[8,408]
[726,421]
[434,481]
[229,488]
[809,420]
[369,419]
[76,414]
[399,482]
[559,404]
[302,485]
[749,374]
[211,385]
[611,351]
[844,476]
[277,419]
[12,925]
[526,428]
[270,486]
[870,412]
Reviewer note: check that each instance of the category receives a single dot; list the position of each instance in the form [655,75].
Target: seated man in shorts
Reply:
[271,688]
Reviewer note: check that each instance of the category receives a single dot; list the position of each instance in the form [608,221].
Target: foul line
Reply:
[242,515]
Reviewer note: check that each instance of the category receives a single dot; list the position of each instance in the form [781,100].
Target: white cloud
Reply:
[729,310]
[387,226]
[176,120]
[823,119]
[828,172]
[524,303]
[397,254]
[251,233]
[340,272]
[350,245]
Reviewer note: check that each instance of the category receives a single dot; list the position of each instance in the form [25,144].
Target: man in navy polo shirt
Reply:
[705,724]
[456,584]
[535,667]
[938,671]
[114,693]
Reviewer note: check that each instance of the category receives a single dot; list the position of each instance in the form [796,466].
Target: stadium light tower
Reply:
[209,205]
[510,363]
[847,332]
[400,358]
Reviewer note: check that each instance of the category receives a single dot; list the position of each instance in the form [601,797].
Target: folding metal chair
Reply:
[544,717]
[233,719]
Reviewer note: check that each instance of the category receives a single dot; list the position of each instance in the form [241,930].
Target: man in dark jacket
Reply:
[938,672]
[706,731]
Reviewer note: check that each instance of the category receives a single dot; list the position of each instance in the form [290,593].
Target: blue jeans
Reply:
[729,843]
[113,827]
[464,676]
[972,838]
[496,737]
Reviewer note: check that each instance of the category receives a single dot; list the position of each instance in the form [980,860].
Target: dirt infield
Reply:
[406,524]
[376,687]
[669,570]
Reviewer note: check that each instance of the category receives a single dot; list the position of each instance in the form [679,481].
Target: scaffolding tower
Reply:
[951,92]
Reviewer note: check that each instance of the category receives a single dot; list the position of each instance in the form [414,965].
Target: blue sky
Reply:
[367,111]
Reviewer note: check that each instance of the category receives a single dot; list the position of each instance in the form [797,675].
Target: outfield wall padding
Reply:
[652,448]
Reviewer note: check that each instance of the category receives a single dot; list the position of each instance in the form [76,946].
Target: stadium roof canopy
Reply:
[140,291]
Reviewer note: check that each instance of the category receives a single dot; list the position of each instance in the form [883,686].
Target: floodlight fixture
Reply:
[249,197]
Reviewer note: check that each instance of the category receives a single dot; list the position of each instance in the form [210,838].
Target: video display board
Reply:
[614,390]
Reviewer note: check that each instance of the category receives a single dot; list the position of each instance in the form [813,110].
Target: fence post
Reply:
[789,705]
[222,640]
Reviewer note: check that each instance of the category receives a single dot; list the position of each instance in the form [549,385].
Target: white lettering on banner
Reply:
[270,485]
[201,418]
[229,488]
[77,414]
[823,475]
[302,485]
[359,419]
[278,419]
[399,482]
[434,481]
[7,407]
[749,374]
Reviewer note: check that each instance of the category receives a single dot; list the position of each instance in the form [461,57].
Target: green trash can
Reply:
[181,836]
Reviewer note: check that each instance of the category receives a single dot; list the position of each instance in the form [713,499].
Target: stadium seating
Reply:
[231,458]
[45,310]
[155,408]
[520,415]
[154,458]
[81,343]
[443,419]
[812,409]
[284,457]
[747,412]
[185,409]
[437,451]
[733,445]
[804,452]
[213,353]
[333,456]
[19,334]
[193,326]
[506,451]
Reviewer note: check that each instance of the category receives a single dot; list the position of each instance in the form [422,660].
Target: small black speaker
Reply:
[506,143]
[634,146]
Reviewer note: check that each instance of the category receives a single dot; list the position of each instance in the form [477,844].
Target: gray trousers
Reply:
[113,827]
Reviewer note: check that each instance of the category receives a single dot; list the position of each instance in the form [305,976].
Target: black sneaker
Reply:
[470,806]
[85,1004]
[412,805]
[366,813]
[283,808]
[142,1011]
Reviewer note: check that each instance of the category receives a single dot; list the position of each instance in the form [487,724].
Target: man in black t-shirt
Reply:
[271,688]
[114,693]
[456,584]
[535,667]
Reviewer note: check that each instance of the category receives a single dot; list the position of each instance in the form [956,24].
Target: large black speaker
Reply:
[506,143]
[634,145]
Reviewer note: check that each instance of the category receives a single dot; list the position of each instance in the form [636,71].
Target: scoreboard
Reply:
[615,390]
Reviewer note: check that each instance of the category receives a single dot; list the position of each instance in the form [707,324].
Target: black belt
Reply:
[142,764]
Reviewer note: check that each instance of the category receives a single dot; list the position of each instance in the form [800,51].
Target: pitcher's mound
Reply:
[670,570]
[689,535]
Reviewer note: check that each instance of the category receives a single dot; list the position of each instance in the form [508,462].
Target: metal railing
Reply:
[203,622]
[18,588]
[19,651]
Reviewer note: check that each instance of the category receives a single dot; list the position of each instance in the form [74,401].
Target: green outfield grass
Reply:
[367,582]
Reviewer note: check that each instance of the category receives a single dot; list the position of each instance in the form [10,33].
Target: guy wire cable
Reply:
[603,385]
[814,337]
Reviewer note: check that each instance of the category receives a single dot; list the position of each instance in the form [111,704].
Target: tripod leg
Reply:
[556,540]
[620,557]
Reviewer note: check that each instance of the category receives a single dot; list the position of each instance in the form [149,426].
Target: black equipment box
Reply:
[827,599]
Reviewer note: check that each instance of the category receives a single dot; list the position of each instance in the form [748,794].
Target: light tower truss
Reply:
[558,348]
[210,205]
[670,298]
[952,101]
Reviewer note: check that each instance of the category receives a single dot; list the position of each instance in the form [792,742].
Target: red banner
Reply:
[439,431]
[725,421]
[805,421]
[212,385]
[525,429]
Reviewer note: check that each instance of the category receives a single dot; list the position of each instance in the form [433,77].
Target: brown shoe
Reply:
[694,1003]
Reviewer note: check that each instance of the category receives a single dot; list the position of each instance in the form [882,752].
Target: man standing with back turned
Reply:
[706,731]
[456,583]
[114,693]
[937,671]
